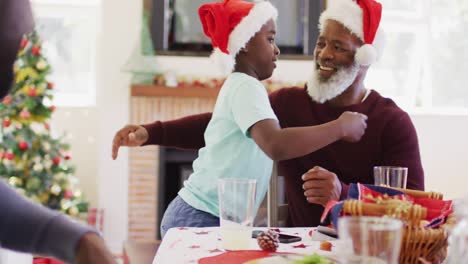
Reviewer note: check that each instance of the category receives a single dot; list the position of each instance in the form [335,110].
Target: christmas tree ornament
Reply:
[50,85]
[38,167]
[15,181]
[32,92]
[33,184]
[25,114]
[23,145]
[68,194]
[6,123]
[7,100]
[41,65]
[36,50]
[73,211]
[268,240]
[56,160]
[24,43]
[55,189]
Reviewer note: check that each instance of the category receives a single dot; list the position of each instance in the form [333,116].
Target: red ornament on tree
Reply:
[36,50]
[24,43]
[6,123]
[67,156]
[68,194]
[23,145]
[56,160]
[25,114]
[32,92]
[50,85]
[7,100]
[9,155]
[52,108]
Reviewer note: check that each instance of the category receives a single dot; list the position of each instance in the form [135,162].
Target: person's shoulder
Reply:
[388,110]
[385,104]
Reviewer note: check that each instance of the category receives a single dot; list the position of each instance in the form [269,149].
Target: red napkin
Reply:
[235,257]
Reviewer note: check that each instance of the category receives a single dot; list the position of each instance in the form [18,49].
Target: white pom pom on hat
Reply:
[362,18]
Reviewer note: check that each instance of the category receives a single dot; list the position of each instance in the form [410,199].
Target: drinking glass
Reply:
[390,176]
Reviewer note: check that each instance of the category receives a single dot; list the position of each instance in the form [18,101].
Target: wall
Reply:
[118,35]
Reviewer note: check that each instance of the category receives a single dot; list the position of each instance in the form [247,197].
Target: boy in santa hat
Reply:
[244,135]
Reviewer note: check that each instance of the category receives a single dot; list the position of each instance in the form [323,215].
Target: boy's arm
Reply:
[186,132]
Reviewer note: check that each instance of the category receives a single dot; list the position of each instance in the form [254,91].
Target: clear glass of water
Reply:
[390,176]
[370,239]
[236,212]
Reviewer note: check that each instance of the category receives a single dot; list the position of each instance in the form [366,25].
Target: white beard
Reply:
[324,90]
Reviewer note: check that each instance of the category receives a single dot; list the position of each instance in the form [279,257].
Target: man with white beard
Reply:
[350,41]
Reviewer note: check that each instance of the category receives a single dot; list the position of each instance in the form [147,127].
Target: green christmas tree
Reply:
[32,161]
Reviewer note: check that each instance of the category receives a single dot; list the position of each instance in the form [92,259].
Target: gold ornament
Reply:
[73,211]
[41,65]
[55,189]
[15,181]
[44,197]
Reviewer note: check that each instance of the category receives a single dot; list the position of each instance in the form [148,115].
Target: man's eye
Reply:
[320,44]
[271,40]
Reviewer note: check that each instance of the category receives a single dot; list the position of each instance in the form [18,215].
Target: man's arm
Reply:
[186,132]
[401,148]
[29,227]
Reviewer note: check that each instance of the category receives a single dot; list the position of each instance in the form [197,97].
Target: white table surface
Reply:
[188,245]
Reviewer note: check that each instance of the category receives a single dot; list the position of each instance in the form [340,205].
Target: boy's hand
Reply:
[130,136]
[353,126]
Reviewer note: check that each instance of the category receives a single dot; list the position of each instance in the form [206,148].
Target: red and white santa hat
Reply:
[362,18]
[230,24]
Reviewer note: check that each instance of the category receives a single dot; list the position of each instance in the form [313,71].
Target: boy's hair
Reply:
[230,24]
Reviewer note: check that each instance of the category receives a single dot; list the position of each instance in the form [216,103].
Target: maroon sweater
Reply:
[390,139]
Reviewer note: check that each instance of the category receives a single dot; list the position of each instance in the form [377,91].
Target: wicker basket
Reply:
[417,243]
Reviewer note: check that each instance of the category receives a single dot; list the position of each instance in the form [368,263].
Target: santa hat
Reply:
[362,18]
[230,24]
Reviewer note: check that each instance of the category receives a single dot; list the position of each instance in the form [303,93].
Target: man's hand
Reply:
[130,136]
[321,186]
[92,250]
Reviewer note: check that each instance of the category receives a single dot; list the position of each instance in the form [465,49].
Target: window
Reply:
[69,30]
[425,62]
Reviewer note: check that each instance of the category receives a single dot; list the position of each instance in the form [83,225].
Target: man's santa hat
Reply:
[230,24]
[362,18]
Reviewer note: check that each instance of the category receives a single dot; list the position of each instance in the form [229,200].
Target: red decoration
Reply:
[67,156]
[23,145]
[52,108]
[40,260]
[56,160]
[6,123]
[36,50]
[300,246]
[32,92]
[47,126]
[50,85]
[68,194]
[9,155]
[25,114]
[235,256]
[7,100]
[24,43]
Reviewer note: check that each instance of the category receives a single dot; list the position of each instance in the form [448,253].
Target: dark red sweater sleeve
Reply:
[401,148]
[186,132]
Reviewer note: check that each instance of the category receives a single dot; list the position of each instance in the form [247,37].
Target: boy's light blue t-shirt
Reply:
[230,152]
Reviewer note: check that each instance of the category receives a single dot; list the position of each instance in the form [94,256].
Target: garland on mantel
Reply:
[205,82]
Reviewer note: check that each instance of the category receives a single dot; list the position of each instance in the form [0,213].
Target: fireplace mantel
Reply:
[184,92]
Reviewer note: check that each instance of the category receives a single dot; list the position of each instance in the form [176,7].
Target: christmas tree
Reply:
[32,160]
